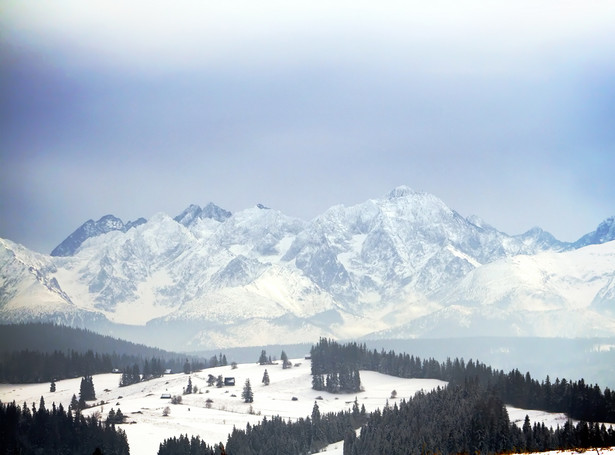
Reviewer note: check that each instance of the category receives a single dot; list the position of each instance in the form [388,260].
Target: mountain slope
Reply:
[29,292]
[405,263]
[549,294]
[605,232]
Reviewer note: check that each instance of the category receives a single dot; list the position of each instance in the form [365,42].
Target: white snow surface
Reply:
[146,427]
[141,403]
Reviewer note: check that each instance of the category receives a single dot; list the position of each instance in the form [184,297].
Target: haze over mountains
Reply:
[401,266]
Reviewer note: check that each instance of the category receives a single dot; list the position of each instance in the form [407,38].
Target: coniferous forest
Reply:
[25,430]
[465,419]
[451,420]
[467,416]
[576,399]
[43,352]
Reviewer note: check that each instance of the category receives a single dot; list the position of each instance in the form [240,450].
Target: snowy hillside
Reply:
[289,395]
[403,265]
[554,294]
[146,427]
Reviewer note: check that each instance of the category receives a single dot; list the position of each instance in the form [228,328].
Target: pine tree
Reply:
[74,403]
[315,413]
[136,375]
[86,390]
[213,362]
[247,395]
[266,377]
[52,387]
[262,360]
[285,362]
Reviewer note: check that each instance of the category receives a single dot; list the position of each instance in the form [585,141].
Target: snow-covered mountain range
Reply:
[401,266]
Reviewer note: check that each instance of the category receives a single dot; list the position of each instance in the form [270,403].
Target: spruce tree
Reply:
[266,377]
[74,403]
[285,362]
[262,360]
[247,395]
[86,390]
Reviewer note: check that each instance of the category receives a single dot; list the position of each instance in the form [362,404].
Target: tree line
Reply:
[456,419]
[276,435]
[465,419]
[49,337]
[42,352]
[36,367]
[305,435]
[467,416]
[40,430]
[189,445]
[335,368]
[574,398]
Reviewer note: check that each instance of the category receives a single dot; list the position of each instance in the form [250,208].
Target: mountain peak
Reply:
[214,212]
[605,232]
[194,212]
[401,191]
[90,229]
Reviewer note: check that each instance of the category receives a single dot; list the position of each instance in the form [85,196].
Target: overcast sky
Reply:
[502,109]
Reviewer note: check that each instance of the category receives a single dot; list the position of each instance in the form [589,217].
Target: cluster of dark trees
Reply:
[183,445]
[36,367]
[276,435]
[43,352]
[30,431]
[130,375]
[219,361]
[115,417]
[335,368]
[455,419]
[33,366]
[308,435]
[464,419]
[86,389]
[575,398]
[264,359]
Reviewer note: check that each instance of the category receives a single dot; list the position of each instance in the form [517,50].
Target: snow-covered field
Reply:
[289,395]
[143,406]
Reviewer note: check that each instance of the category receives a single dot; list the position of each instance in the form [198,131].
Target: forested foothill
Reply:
[41,352]
[576,399]
[465,419]
[467,416]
